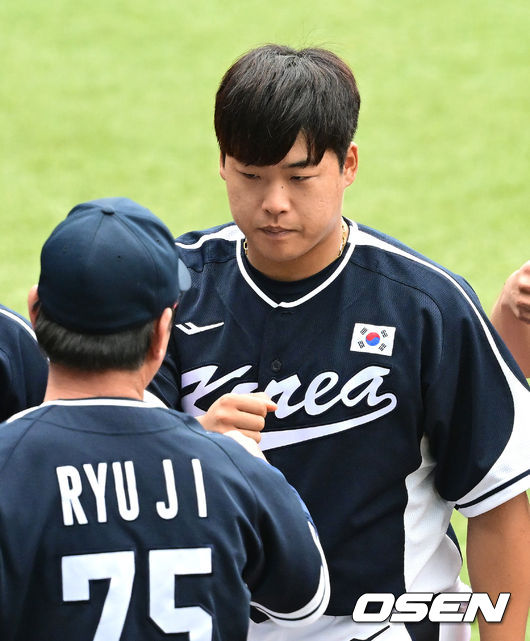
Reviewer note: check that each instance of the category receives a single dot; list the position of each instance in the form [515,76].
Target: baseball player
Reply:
[121,520]
[396,399]
[23,368]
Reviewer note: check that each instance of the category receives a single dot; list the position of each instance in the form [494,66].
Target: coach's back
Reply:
[124,521]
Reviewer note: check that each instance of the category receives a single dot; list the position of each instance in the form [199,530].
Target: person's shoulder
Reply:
[227,452]
[216,244]
[14,431]
[395,261]
[23,367]
[225,232]
[13,323]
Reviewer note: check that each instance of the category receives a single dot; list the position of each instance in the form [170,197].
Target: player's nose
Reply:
[275,198]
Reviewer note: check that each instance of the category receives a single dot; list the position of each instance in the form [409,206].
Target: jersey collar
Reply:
[350,246]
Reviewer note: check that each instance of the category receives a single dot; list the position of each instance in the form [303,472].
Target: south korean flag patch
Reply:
[375,339]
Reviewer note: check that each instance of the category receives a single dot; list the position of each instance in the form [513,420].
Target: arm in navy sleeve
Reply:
[23,368]
[292,586]
[477,404]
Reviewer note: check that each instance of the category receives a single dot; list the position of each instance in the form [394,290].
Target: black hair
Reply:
[273,93]
[125,350]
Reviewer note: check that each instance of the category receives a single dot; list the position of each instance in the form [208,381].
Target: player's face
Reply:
[290,213]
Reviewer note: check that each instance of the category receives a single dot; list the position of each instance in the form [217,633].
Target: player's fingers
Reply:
[238,411]
[520,280]
[522,306]
[270,404]
[235,411]
[248,421]
[255,403]
[214,423]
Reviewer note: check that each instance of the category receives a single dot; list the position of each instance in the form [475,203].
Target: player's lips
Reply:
[275,232]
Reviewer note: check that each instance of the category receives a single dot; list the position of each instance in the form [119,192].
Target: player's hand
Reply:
[243,412]
[516,293]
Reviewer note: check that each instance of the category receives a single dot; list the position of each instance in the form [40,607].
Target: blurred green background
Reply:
[115,98]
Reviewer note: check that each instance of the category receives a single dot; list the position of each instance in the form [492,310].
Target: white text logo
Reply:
[449,607]
[363,385]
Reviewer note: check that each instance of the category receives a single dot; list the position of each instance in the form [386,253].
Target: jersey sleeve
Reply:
[23,369]
[477,411]
[291,583]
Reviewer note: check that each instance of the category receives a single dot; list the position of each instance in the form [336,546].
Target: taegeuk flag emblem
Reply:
[374,339]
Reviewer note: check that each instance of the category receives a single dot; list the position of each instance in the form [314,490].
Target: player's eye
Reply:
[249,176]
[299,179]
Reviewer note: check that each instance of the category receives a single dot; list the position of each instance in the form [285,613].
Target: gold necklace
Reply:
[345,232]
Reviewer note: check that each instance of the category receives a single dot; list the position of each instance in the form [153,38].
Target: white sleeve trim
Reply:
[497,498]
[19,321]
[230,233]
[315,607]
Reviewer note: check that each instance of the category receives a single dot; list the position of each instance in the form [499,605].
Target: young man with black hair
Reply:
[396,400]
[23,367]
[120,519]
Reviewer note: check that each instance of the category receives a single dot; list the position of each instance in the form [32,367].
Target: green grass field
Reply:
[116,98]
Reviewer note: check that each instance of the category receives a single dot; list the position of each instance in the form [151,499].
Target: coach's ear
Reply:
[161,335]
[33,304]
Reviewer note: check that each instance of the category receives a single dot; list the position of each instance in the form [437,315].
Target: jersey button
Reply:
[276,365]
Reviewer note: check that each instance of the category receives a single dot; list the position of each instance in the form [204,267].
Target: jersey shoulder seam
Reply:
[204,434]
[24,432]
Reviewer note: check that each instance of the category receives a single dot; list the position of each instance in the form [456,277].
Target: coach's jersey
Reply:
[124,521]
[23,368]
[396,399]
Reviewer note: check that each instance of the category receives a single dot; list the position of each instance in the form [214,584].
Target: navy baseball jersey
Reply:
[23,368]
[397,401]
[122,521]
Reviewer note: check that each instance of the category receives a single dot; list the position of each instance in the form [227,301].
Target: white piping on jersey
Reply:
[19,321]
[517,447]
[90,401]
[281,438]
[315,607]
[346,257]
[230,233]
[431,560]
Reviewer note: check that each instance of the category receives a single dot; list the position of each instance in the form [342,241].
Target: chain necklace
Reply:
[345,232]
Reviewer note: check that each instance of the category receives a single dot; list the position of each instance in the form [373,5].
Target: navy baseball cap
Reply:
[111,265]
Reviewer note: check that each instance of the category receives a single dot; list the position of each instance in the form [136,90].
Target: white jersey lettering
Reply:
[203,376]
[126,490]
[169,510]
[97,483]
[70,487]
[365,382]
[78,491]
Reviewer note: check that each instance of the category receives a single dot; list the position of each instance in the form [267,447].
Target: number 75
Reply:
[119,567]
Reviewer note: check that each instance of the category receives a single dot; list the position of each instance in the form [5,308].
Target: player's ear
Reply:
[33,304]
[222,159]
[351,164]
